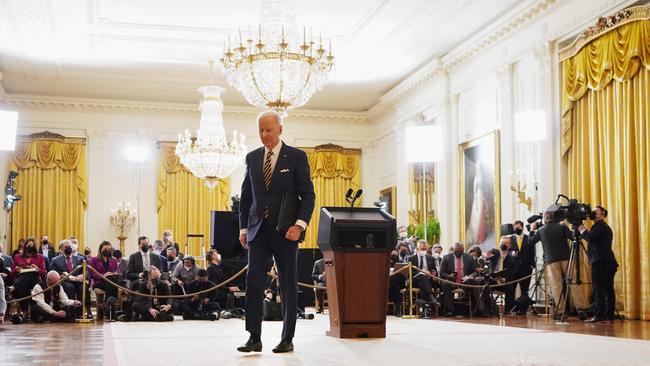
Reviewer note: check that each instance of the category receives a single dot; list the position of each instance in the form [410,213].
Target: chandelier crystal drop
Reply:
[209,156]
[280,69]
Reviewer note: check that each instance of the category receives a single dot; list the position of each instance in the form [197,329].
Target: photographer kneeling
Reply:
[603,265]
[555,239]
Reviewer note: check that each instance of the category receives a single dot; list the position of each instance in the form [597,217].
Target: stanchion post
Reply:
[84,319]
[410,316]
[546,307]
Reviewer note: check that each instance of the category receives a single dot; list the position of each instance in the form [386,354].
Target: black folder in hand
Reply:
[289,214]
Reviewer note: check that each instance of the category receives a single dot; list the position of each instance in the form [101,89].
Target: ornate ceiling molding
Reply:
[484,40]
[413,82]
[105,105]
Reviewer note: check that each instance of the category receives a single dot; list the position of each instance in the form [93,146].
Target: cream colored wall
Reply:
[473,94]
[111,179]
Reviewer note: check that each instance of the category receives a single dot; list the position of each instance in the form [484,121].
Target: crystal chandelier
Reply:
[280,70]
[209,156]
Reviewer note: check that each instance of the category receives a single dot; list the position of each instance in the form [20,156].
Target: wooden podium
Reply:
[356,245]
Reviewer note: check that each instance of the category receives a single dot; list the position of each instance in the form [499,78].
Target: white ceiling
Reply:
[157,50]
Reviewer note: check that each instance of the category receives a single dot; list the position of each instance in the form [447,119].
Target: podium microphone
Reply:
[348,194]
[356,197]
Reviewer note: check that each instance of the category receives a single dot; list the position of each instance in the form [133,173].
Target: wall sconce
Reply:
[518,185]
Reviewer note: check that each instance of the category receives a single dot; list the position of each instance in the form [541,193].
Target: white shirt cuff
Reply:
[302,224]
[243,231]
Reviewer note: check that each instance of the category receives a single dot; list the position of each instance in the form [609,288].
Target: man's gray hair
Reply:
[269,113]
[63,242]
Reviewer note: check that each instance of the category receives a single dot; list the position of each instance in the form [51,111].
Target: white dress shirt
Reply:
[41,303]
[145,261]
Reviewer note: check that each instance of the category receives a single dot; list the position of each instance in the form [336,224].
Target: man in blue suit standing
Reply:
[272,171]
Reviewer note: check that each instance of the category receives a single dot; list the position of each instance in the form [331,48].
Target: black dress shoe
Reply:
[285,345]
[595,319]
[252,345]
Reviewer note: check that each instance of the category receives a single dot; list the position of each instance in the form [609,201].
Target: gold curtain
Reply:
[184,202]
[415,191]
[333,170]
[53,183]
[605,126]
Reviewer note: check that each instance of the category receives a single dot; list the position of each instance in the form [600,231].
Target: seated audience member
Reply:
[28,270]
[460,267]
[403,253]
[8,261]
[87,252]
[420,280]
[152,309]
[52,305]
[168,241]
[183,275]
[5,273]
[216,275]
[318,276]
[47,251]
[157,248]
[475,251]
[19,250]
[505,264]
[3,302]
[436,253]
[172,259]
[202,306]
[122,263]
[141,261]
[106,265]
[73,285]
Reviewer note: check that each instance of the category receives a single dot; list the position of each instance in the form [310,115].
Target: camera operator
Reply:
[555,242]
[603,265]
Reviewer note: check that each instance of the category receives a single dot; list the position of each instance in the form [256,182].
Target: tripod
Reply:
[574,262]
[537,287]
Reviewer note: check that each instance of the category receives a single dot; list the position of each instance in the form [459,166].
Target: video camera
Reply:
[535,219]
[574,211]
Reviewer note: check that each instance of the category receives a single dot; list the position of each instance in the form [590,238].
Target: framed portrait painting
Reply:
[388,196]
[479,191]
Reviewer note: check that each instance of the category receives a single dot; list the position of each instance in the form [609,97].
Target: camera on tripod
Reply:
[575,212]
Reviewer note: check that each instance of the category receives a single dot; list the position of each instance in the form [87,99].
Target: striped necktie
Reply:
[267,173]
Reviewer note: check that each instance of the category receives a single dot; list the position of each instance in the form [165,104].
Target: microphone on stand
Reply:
[356,197]
[348,195]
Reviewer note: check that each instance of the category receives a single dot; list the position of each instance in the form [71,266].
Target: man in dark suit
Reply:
[141,261]
[525,256]
[459,267]
[73,286]
[425,263]
[47,251]
[603,265]
[504,262]
[271,171]
[318,276]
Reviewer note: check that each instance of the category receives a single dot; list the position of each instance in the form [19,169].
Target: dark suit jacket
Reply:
[448,266]
[431,265]
[510,265]
[319,269]
[59,263]
[600,243]
[163,264]
[51,253]
[7,261]
[135,265]
[526,256]
[291,174]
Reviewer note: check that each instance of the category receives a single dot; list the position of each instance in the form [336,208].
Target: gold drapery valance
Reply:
[616,55]
[333,170]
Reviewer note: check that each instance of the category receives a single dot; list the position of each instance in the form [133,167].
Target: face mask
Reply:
[592,215]
[144,248]
[436,255]
[422,252]
[188,268]
[503,247]
[402,252]
[67,251]
[519,231]
[30,250]
[402,235]
[170,239]
[458,254]
[154,282]
[45,242]
[107,253]
[170,258]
